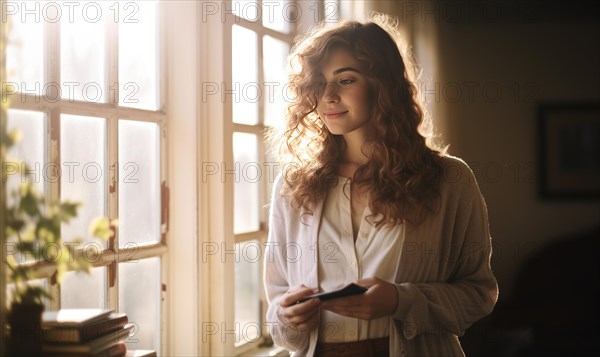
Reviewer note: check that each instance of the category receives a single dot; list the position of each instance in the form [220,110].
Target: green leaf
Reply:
[12,137]
[30,249]
[45,235]
[15,136]
[29,235]
[29,200]
[68,210]
[10,260]
[51,225]
[14,225]
[100,227]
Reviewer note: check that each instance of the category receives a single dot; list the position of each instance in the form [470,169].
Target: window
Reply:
[261,37]
[262,33]
[86,94]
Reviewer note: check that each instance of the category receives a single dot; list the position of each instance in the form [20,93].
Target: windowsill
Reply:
[271,351]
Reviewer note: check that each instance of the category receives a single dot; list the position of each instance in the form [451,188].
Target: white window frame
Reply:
[257,129]
[215,196]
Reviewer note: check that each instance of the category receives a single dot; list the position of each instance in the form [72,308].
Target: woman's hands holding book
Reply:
[301,316]
[380,300]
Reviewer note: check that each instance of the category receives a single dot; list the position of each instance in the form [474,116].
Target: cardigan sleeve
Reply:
[276,277]
[470,293]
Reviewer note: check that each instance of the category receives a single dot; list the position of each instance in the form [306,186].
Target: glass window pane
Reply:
[246,186]
[280,15]
[25,51]
[30,150]
[82,291]
[246,93]
[275,54]
[139,183]
[248,9]
[83,53]
[139,298]
[83,173]
[247,291]
[138,57]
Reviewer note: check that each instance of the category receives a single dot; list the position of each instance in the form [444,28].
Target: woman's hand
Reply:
[380,300]
[303,316]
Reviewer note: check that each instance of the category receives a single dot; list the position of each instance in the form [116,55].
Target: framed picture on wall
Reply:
[569,150]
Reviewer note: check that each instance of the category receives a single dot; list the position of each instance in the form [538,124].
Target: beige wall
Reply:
[496,132]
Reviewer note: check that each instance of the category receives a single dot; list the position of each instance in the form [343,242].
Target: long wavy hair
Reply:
[404,167]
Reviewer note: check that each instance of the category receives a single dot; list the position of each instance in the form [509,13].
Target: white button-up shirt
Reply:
[342,261]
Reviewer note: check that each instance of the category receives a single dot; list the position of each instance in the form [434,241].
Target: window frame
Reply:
[257,129]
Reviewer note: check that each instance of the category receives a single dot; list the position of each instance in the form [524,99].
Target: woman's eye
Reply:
[346,81]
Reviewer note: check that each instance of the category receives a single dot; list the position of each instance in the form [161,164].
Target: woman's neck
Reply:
[353,156]
[354,151]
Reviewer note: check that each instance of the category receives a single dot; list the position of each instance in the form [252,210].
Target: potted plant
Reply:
[33,229]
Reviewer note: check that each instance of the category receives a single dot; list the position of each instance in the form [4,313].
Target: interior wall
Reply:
[527,64]
[485,75]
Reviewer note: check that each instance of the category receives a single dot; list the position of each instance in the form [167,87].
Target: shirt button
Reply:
[353,264]
[352,332]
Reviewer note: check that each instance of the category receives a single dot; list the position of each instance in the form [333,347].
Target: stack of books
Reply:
[85,332]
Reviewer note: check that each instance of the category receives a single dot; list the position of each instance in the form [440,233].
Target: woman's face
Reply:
[345,104]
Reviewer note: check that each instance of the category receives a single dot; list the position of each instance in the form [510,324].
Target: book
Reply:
[96,345]
[55,332]
[74,317]
[350,289]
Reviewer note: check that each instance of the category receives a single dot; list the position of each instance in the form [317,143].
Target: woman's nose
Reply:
[330,94]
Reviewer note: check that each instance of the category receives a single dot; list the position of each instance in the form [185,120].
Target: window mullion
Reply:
[165,200]
[251,129]
[261,30]
[52,187]
[162,56]
[262,187]
[112,58]
[112,65]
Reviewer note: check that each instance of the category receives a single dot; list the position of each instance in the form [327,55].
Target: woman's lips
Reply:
[335,114]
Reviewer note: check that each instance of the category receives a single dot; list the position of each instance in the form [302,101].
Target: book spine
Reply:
[89,332]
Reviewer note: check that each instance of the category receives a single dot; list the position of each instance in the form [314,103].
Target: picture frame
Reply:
[569,151]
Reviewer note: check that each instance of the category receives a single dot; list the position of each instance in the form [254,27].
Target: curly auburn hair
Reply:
[404,167]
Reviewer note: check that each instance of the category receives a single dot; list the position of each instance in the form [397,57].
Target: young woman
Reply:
[364,197]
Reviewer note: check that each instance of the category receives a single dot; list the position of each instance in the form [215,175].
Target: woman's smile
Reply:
[334,114]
